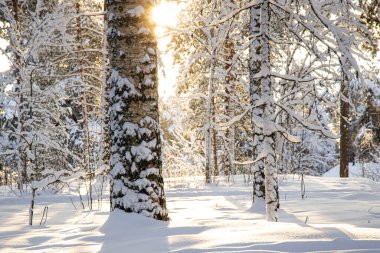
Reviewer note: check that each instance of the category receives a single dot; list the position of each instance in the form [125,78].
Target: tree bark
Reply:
[344,129]
[214,140]
[209,121]
[105,104]
[83,90]
[230,108]
[255,64]
[21,156]
[31,210]
[270,170]
[137,184]
[263,116]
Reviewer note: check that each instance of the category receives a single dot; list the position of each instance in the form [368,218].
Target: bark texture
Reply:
[229,52]
[210,122]
[83,96]
[270,170]
[263,117]
[19,94]
[344,130]
[137,184]
[255,95]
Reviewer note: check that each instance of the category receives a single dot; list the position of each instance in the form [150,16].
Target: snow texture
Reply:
[137,11]
[338,215]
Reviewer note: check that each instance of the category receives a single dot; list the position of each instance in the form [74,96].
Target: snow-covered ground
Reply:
[367,170]
[337,215]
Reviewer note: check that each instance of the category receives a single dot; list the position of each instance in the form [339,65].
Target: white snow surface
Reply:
[367,170]
[338,215]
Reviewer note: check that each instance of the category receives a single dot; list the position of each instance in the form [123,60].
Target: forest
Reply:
[190,126]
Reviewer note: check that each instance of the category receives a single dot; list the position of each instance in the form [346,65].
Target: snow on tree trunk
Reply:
[270,170]
[14,42]
[255,65]
[263,117]
[137,184]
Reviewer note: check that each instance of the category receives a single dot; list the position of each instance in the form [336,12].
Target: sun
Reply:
[165,15]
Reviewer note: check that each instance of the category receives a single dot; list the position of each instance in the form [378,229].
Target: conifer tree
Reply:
[137,184]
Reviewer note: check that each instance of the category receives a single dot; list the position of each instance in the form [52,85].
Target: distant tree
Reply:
[213,78]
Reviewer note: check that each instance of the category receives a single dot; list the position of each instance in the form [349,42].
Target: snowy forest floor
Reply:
[337,215]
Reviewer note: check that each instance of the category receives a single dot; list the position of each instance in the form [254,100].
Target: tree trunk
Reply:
[31,209]
[230,108]
[14,41]
[105,144]
[255,64]
[6,176]
[105,104]
[137,184]
[83,90]
[270,170]
[214,140]
[209,122]
[263,116]
[344,129]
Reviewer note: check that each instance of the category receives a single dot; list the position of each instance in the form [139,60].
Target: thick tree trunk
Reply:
[137,184]
[270,170]
[255,64]
[263,116]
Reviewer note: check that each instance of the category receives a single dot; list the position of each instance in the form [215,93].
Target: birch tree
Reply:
[305,23]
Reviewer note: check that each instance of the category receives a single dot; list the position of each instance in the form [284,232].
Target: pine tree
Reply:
[137,184]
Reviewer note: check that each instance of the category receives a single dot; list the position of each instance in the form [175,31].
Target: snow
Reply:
[369,170]
[4,61]
[337,215]
[144,30]
[137,11]
[118,168]
[130,128]
[143,152]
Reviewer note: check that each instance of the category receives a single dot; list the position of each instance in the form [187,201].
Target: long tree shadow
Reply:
[337,245]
